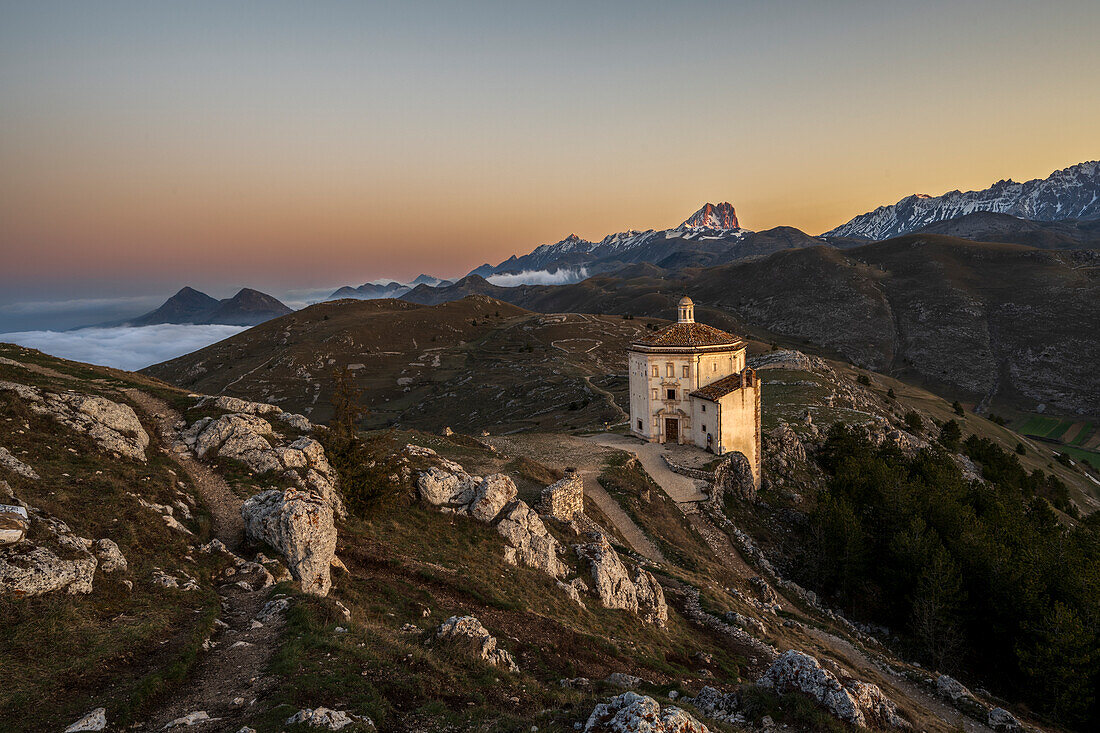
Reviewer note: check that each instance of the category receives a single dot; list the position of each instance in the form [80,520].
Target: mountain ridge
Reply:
[247,307]
[1069,193]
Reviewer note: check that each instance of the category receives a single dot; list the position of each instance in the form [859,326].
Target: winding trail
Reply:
[680,489]
[224,505]
[229,677]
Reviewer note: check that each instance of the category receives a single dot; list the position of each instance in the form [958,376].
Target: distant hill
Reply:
[390,289]
[465,364]
[1071,193]
[189,306]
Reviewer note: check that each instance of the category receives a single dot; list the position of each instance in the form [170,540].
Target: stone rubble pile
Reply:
[468,633]
[114,427]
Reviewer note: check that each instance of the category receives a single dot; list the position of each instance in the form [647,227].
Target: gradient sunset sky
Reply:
[148,145]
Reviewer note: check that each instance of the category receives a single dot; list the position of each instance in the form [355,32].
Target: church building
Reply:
[689,384]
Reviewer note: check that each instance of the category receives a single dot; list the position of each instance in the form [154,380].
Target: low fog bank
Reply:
[539,277]
[128,348]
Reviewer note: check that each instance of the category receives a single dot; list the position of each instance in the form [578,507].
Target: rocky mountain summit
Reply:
[1070,193]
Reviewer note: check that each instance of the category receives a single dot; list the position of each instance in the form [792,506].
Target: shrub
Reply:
[864,380]
[950,435]
[958,408]
[914,422]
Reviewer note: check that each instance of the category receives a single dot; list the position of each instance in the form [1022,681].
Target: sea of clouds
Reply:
[123,347]
[539,277]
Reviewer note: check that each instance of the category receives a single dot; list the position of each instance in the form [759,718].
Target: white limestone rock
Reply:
[300,526]
[95,720]
[113,426]
[468,632]
[192,718]
[448,489]
[634,713]
[14,524]
[326,718]
[110,556]
[855,702]
[1000,720]
[491,495]
[58,561]
[533,545]
[16,466]
[612,583]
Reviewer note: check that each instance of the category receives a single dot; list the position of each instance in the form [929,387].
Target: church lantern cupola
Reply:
[687,310]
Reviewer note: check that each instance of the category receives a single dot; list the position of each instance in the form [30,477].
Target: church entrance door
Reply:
[672,430]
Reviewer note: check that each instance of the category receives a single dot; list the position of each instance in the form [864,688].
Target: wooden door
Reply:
[672,430]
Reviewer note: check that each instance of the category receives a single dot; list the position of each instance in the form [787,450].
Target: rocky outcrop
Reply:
[491,499]
[16,466]
[860,703]
[634,713]
[60,560]
[110,556]
[299,525]
[327,718]
[467,632]
[252,440]
[114,427]
[733,477]
[1001,720]
[612,583]
[531,544]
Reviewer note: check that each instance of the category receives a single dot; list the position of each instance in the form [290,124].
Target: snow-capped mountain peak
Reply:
[1070,193]
[721,217]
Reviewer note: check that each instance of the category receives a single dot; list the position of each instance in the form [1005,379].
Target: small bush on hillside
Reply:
[890,394]
[914,423]
[958,408]
[1020,450]
[864,380]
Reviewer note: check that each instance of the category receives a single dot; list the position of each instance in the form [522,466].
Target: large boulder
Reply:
[447,489]
[242,437]
[491,495]
[634,713]
[326,718]
[531,543]
[299,525]
[468,632]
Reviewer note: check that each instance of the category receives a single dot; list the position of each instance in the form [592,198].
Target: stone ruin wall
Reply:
[563,499]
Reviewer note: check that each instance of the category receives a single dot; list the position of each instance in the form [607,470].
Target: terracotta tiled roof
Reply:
[716,390]
[690,334]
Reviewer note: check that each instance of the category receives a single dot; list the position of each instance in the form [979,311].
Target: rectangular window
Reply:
[639,426]
[704,408]
[654,393]
[714,367]
[672,394]
[704,428]
[670,370]
[656,371]
[687,371]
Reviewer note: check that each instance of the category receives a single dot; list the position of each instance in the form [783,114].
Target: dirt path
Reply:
[230,678]
[564,451]
[224,505]
[680,488]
